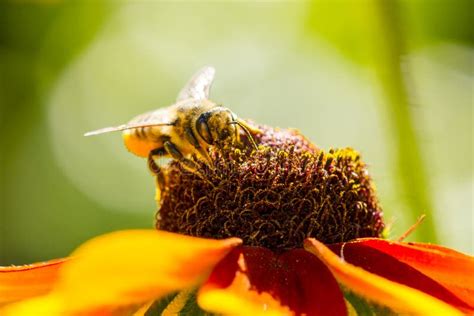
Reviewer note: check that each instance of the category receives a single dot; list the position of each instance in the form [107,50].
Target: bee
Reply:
[188,127]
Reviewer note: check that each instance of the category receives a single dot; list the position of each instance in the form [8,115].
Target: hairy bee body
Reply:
[181,131]
[187,128]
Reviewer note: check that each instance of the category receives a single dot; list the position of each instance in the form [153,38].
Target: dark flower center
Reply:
[274,197]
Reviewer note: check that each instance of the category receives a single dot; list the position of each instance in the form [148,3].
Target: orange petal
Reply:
[127,268]
[396,296]
[452,269]
[21,282]
[434,247]
[254,281]
[361,254]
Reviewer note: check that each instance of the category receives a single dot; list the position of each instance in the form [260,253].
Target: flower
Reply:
[287,229]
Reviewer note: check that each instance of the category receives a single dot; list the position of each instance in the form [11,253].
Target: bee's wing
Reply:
[160,117]
[124,127]
[199,85]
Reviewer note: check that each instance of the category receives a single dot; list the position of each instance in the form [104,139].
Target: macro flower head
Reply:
[288,229]
[274,197]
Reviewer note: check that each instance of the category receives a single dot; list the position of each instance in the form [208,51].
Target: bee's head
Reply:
[216,125]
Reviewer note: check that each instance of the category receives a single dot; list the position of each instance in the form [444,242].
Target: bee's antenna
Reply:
[249,135]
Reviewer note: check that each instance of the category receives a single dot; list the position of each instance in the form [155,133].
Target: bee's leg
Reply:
[155,169]
[174,152]
[191,138]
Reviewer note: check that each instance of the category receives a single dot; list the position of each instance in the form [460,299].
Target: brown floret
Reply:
[274,197]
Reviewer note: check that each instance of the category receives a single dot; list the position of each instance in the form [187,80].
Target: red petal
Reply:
[409,265]
[452,269]
[398,297]
[21,282]
[295,279]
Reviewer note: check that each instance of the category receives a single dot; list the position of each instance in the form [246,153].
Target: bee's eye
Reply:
[203,129]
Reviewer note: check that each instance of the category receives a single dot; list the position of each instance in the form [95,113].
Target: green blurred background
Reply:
[393,79]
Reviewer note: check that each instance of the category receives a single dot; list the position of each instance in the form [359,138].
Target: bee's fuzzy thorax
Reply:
[274,197]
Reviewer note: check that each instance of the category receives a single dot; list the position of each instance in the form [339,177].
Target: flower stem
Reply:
[412,180]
